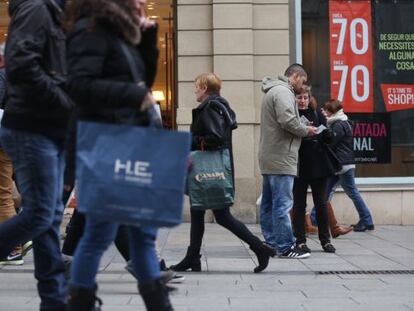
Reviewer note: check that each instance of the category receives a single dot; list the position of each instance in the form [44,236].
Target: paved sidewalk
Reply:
[228,283]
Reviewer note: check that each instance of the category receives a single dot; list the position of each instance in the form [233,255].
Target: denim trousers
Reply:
[98,236]
[38,164]
[277,201]
[347,182]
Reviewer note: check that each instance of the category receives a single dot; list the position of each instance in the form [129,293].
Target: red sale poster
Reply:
[351,54]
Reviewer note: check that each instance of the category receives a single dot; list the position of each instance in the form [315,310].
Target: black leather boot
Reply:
[155,296]
[190,261]
[83,299]
[263,252]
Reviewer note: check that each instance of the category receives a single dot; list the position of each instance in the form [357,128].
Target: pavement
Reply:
[370,271]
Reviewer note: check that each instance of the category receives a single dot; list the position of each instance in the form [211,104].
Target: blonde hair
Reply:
[210,81]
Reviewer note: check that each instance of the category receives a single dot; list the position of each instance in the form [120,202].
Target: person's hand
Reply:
[148,102]
[147,23]
[312,130]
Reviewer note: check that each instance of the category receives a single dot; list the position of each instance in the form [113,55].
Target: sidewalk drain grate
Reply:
[366,272]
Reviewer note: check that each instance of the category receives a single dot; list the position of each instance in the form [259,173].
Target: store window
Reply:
[388,85]
[162,11]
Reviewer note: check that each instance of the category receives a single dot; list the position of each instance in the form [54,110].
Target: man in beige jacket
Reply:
[280,137]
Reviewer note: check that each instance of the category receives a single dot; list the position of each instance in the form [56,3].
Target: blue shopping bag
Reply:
[131,175]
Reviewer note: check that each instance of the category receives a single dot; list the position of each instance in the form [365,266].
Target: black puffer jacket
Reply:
[314,162]
[100,80]
[342,141]
[36,70]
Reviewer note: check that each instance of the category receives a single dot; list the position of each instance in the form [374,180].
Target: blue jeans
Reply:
[347,181]
[38,165]
[98,236]
[277,201]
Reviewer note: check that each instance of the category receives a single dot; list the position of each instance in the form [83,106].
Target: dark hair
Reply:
[296,68]
[91,8]
[333,106]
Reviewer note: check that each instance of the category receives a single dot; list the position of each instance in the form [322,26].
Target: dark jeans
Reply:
[75,230]
[319,195]
[96,239]
[38,164]
[225,219]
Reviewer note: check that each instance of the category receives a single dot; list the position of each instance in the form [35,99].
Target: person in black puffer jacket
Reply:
[315,167]
[212,126]
[105,89]
[342,145]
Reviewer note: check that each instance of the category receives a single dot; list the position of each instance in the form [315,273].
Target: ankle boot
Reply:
[263,252]
[309,227]
[83,299]
[190,261]
[155,296]
[336,230]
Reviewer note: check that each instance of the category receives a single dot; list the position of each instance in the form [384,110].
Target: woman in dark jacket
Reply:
[106,89]
[212,126]
[315,167]
[342,145]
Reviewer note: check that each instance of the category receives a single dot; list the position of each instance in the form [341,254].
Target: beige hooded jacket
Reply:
[280,129]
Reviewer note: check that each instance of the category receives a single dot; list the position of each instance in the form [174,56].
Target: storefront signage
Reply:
[372,137]
[395,54]
[351,54]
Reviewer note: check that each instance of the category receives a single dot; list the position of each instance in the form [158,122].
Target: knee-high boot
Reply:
[155,296]
[263,252]
[83,299]
[336,230]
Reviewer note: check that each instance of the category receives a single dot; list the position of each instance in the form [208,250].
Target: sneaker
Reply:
[329,248]
[14,259]
[304,248]
[360,227]
[27,248]
[294,253]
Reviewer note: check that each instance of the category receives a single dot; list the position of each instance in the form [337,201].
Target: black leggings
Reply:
[300,189]
[74,232]
[225,219]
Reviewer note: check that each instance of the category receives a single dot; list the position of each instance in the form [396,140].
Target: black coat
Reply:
[109,82]
[36,70]
[314,161]
[342,142]
[100,80]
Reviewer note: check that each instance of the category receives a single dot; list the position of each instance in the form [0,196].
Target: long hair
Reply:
[92,9]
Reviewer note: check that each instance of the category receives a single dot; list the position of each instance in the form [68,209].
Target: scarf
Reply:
[339,115]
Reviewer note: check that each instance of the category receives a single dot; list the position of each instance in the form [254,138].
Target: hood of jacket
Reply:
[269,83]
[216,98]
[120,18]
[55,8]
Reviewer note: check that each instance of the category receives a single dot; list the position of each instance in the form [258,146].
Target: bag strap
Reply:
[130,60]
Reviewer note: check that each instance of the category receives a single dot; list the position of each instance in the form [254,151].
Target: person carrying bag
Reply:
[211,178]
[120,166]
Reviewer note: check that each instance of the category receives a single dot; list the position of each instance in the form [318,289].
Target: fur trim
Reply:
[124,21]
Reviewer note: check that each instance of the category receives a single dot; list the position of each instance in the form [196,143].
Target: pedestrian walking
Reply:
[102,85]
[315,167]
[32,134]
[212,125]
[280,137]
[342,146]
